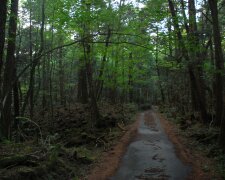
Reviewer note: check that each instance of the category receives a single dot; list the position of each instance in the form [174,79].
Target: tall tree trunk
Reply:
[157,67]
[44,73]
[196,56]
[16,99]
[61,78]
[82,94]
[100,81]
[219,62]
[32,71]
[130,78]
[89,68]
[196,86]
[9,72]
[45,83]
[30,93]
[3,15]
[113,94]
[16,87]
[51,73]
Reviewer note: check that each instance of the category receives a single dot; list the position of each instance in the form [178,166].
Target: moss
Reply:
[85,155]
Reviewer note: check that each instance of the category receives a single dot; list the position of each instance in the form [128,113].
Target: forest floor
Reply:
[62,145]
[153,148]
[66,145]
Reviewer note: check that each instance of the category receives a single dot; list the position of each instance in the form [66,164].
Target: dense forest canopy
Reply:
[59,52]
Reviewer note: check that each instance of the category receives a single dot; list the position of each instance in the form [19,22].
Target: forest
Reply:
[75,74]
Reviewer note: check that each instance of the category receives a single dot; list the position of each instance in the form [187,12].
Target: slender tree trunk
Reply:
[16,86]
[113,90]
[32,71]
[50,89]
[100,81]
[16,99]
[44,84]
[16,102]
[61,78]
[130,78]
[157,67]
[3,15]
[9,72]
[113,94]
[82,94]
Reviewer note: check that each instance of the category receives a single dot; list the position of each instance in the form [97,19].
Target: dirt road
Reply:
[151,155]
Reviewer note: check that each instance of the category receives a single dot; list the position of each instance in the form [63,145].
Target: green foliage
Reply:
[86,154]
[54,153]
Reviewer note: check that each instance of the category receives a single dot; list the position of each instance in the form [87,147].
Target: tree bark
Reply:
[219,62]
[3,15]
[89,68]
[195,54]
[94,106]
[9,72]
[82,94]
[130,78]
[157,67]
[61,78]
[100,81]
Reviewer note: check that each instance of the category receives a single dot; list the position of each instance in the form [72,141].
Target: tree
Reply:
[3,15]
[219,62]
[9,77]
[192,56]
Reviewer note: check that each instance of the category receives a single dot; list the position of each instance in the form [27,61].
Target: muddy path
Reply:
[151,155]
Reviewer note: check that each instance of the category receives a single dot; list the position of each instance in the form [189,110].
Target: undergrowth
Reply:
[64,146]
[199,137]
